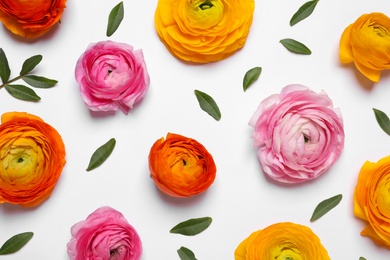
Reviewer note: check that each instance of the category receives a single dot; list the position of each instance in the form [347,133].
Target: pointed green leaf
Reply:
[383,120]
[208,104]
[115,18]
[186,254]
[5,71]
[295,46]
[303,12]
[22,92]
[251,76]
[362,258]
[324,206]
[30,64]
[101,154]
[15,243]
[192,226]
[39,82]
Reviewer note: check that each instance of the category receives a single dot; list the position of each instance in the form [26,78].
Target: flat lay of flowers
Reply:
[194,129]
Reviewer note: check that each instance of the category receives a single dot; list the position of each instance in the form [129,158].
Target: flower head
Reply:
[112,75]
[32,156]
[371,200]
[181,166]
[104,235]
[31,19]
[284,240]
[366,42]
[203,31]
[298,133]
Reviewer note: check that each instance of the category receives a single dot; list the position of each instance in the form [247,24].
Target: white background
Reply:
[242,199]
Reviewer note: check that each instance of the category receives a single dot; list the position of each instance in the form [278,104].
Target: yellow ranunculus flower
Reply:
[372,200]
[282,241]
[203,31]
[366,42]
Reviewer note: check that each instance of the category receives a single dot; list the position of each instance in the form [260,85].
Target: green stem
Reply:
[12,80]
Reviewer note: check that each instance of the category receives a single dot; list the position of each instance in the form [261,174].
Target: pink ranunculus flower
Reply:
[298,133]
[104,235]
[112,75]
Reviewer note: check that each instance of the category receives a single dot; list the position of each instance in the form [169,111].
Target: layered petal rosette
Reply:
[104,235]
[181,166]
[32,157]
[371,200]
[298,134]
[112,75]
[31,19]
[366,42]
[282,241]
[203,31]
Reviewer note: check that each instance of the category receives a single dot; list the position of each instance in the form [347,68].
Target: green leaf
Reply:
[39,82]
[5,71]
[30,64]
[115,18]
[324,206]
[303,12]
[362,258]
[383,120]
[15,243]
[186,254]
[251,76]
[295,46]
[208,104]
[101,154]
[22,92]
[192,226]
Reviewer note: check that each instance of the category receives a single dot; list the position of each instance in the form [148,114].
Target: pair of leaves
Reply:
[101,154]
[303,12]
[114,19]
[208,104]
[383,120]
[190,227]
[325,206]
[15,243]
[21,91]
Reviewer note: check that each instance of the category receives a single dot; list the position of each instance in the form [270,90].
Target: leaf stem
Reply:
[12,80]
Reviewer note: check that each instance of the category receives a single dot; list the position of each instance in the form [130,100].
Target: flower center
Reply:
[206,5]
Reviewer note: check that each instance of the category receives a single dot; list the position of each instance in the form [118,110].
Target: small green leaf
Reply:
[251,76]
[5,71]
[324,206]
[101,154]
[295,46]
[39,82]
[362,258]
[115,18]
[30,64]
[22,92]
[208,104]
[303,12]
[186,254]
[15,243]
[192,226]
[383,120]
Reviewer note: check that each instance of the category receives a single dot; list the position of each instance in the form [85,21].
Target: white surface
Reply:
[241,200]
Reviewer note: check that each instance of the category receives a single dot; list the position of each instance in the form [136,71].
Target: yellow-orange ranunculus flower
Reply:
[282,241]
[366,42]
[181,166]
[30,19]
[32,156]
[203,31]
[372,200]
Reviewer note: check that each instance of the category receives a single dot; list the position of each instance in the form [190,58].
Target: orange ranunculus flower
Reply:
[366,42]
[181,166]
[203,31]
[372,200]
[32,156]
[30,19]
[284,240]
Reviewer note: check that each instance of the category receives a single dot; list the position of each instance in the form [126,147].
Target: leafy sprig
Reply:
[21,91]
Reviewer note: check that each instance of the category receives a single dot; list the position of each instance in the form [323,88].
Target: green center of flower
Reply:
[379,30]
[206,5]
